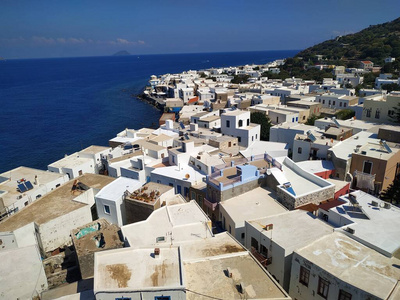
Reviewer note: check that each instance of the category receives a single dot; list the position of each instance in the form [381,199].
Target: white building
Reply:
[23,275]
[286,132]
[273,239]
[305,148]
[237,123]
[177,240]
[110,200]
[338,267]
[298,187]
[368,220]
[336,101]
[57,213]
[254,204]
[21,186]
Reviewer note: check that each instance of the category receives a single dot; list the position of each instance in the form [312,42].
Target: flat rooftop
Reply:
[177,222]
[354,263]
[54,204]
[300,184]
[94,149]
[115,189]
[208,276]
[70,161]
[375,225]
[293,229]
[257,203]
[137,269]
[21,269]
[149,193]
[316,166]
[375,150]
[9,184]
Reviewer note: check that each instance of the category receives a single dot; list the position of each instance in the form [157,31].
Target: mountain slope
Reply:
[374,43]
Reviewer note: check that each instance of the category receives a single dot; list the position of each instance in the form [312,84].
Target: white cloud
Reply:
[141,42]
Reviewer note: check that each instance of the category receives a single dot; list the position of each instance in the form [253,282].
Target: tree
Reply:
[390,87]
[345,114]
[311,120]
[264,121]
[392,193]
[396,116]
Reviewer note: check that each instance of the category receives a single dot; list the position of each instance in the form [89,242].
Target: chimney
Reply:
[156,252]
[36,180]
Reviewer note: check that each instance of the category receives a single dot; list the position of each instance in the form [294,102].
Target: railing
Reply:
[210,204]
[232,181]
[261,258]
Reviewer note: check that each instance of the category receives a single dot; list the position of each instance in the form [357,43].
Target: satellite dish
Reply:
[187,176]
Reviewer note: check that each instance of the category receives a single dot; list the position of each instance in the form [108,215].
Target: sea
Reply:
[57,106]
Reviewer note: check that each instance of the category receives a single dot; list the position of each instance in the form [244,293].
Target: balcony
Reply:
[261,258]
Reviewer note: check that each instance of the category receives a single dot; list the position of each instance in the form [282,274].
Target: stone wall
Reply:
[137,211]
[291,202]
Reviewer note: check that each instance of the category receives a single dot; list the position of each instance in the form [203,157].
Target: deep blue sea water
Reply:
[52,107]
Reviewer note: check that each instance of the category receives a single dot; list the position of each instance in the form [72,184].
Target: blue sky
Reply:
[31,29]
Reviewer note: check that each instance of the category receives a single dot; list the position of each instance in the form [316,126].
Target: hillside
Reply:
[374,43]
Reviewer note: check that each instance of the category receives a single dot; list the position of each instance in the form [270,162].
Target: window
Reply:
[304,117]
[26,203]
[123,298]
[304,276]
[239,139]
[323,101]
[299,150]
[228,123]
[107,209]
[340,104]
[256,136]
[334,103]
[240,123]
[368,113]
[80,172]
[193,195]
[344,104]
[344,295]
[242,235]
[390,112]
[263,250]
[185,191]
[173,159]
[252,138]
[367,168]
[248,122]
[38,196]
[162,298]
[200,200]
[57,185]
[323,288]
[329,102]
[254,243]
[230,229]
[377,114]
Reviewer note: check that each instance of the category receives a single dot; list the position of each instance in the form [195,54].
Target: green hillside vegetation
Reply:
[374,43]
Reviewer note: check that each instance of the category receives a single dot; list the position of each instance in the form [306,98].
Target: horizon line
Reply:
[58,57]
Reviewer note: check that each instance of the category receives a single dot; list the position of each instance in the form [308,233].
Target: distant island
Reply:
[122,53]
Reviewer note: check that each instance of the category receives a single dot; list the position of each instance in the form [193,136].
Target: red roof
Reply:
[193,100]
[366,61]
